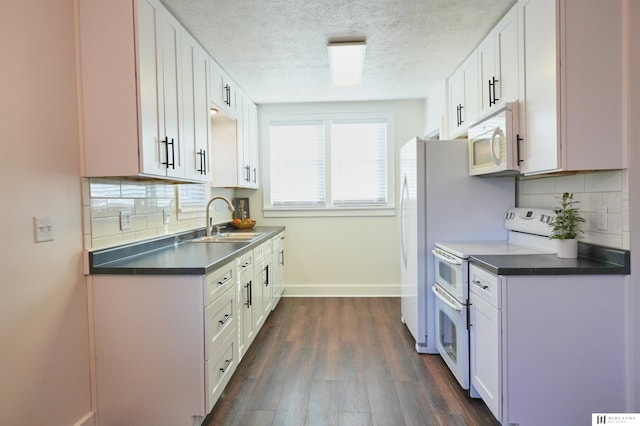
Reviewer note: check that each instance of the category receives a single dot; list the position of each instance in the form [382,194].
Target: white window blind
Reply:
[359,162]
[329,164]
[297,163]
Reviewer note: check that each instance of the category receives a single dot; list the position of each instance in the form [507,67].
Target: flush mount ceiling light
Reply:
[346,60]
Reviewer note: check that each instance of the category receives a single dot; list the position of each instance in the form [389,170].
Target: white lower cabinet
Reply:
[246,310]
[262,283]
[485,339]
[546,349]
[162,345]
[221,344]
[167,345]
[278,259]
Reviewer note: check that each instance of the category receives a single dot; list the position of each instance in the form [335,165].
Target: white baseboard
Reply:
[342,290]
[87,420]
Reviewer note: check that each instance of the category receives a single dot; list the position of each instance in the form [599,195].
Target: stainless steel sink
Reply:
[229,237]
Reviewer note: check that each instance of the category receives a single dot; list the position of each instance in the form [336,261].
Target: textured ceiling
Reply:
[276,49]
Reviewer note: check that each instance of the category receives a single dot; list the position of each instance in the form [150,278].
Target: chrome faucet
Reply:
[208,219]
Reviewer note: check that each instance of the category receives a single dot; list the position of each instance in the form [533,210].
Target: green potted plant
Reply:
[566,226]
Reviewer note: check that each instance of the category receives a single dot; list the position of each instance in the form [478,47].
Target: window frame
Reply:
[387,209]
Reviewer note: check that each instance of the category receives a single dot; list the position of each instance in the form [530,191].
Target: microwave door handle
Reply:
[445,259]
[497,132]
[446,301]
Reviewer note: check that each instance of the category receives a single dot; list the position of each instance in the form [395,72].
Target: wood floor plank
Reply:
[342,361]
[355,419]
[323,404]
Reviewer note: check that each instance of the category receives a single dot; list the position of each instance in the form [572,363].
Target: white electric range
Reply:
[529,231]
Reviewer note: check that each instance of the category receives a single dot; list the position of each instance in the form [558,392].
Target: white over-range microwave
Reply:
[494,143]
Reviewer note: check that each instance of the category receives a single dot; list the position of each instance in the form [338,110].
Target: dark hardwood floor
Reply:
[342,361]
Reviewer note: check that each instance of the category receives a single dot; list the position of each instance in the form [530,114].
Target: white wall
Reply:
[343,256]
[44,348]
[633,351]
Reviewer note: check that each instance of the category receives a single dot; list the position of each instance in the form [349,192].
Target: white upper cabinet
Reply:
[463,96]
[249,141]
[498,64]
[234,145]
[571,114]
[132,73]
[195,111]
[223,91]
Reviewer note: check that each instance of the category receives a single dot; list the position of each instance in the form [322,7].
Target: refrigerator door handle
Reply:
[403,231]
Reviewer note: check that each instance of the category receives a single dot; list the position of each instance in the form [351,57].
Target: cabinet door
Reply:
[215,84]
[246,308]
[160,80]
[170,88]
[150,76]
[538,65]
[247,144]
[488,74]
[507,88]
[471,96]
[456,100]
[246,311]
[463,96]
[485,352]
[254,160]
[278,268]
[195,109]
[498,64]
[267,279]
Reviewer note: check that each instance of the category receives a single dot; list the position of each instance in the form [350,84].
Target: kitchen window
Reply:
[329,164]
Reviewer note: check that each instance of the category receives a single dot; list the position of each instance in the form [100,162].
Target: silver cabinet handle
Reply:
[226,318]
[227,363]
[224,280]
[479,284]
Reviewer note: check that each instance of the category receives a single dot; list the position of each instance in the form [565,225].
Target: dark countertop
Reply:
[592,260]
[173,255]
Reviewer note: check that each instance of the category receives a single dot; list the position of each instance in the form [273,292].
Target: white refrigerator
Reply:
[439,201]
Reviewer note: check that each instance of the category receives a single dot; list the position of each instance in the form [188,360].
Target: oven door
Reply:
[452,334]
[451,273]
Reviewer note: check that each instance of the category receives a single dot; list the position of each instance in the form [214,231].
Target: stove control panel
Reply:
[529,220]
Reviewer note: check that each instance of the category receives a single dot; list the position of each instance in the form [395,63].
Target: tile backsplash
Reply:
[595,190]
[104,198]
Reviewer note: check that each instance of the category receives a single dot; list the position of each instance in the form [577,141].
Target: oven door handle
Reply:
[454,261]
[446,299]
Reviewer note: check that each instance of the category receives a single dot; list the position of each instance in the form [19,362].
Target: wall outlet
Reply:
[125,219]
[602,218]
[166,216]
[43,228]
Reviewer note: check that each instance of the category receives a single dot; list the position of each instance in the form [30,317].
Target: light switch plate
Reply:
[125,219]
[43,228]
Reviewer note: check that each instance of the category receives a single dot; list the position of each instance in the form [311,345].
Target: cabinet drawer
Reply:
[219,320]
[485,285]
[218,282]
[220,368]
[245,263]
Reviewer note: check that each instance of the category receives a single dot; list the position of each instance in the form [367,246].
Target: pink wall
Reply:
[44,348]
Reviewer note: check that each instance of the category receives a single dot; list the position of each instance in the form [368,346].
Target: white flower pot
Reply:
[568,248]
